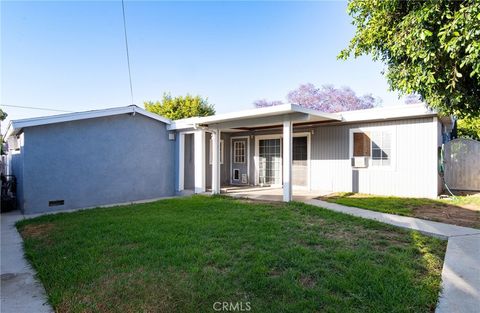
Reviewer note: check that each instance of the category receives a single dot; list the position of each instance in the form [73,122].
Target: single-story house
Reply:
[127,154]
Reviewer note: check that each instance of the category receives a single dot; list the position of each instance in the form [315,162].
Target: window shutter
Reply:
[361,144]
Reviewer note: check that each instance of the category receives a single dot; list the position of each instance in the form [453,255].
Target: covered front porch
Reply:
[267,150]
[270,193]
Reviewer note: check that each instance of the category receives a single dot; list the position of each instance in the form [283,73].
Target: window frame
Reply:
[376,129]
[222,152]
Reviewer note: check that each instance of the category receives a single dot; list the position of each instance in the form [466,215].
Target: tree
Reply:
[3,115]
[180,107]
[469,128]
[330,99]
[325,99]
[429,47]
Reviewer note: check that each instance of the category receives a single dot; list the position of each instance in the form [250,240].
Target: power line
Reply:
[126,47]
[34,108]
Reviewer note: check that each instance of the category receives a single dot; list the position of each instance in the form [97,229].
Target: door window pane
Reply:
[239,152]
[270,161]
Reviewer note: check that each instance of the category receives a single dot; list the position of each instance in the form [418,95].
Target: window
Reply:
[300,148]
[376,144]
[381,148]
[211,150]
[239,152]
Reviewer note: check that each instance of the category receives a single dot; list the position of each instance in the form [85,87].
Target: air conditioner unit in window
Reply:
[360,161]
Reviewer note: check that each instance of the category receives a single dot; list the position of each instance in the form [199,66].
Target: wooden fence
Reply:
[462,164]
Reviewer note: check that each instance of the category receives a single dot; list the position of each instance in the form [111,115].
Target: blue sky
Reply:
[71,55]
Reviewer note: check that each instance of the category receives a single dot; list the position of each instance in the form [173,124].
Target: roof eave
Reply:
[189,123]
[16,126]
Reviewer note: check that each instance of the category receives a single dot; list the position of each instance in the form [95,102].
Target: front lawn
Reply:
[462,210]
[186,254]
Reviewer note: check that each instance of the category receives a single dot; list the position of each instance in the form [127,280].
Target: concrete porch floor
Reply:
[270,193]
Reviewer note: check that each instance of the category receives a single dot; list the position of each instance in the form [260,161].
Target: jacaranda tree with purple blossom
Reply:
[326,99]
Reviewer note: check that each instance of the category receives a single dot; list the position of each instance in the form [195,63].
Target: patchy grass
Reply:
[185,254]
[462,210]
[472,201]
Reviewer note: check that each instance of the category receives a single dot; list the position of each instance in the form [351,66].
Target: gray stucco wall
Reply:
[96,162]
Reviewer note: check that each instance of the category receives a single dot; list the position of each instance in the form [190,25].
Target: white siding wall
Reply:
[414,172]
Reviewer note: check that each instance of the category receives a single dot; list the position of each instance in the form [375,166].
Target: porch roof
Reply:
[256,117]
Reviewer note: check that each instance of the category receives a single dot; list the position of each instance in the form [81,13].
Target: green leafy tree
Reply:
[469,128]
[430,47]
[180,107]
[3,115]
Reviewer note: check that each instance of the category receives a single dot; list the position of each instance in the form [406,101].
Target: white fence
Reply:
[462,164]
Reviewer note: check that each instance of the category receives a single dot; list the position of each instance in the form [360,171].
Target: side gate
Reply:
[462,164]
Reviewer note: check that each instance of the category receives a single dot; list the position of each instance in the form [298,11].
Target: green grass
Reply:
[465,200]
[185,254]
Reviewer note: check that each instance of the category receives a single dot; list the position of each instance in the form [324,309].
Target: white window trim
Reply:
[222,151]
[393,132]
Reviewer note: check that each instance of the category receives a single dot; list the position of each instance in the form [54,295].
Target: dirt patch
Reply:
[135,291]
[450,214]
[472,207]
[307,281]
[260,201]
[214,269]
[275,273]
[37,230]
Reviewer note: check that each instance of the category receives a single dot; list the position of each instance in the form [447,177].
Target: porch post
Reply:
[181,161]
[199,144]
[287,159]
[216,161]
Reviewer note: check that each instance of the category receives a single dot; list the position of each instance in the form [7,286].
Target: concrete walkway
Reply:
[461,268]
[270,193]
[20,290]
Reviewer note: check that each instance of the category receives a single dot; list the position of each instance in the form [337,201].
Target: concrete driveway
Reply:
[20,290]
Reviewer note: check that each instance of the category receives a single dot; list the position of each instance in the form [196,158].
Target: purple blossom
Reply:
[330,99]
[325,99]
